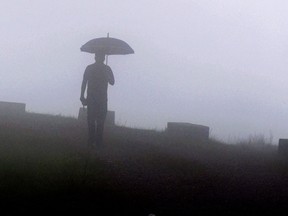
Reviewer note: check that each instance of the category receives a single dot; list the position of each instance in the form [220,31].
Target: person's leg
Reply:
[100,131]
[101,116]
[91,118]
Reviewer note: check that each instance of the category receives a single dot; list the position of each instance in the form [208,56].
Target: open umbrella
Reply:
[108,46]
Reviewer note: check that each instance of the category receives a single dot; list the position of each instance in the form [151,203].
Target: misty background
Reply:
[218,63]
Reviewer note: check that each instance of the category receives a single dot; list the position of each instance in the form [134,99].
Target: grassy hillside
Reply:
[45,167]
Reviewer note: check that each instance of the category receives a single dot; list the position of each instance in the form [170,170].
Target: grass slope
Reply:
[45,167]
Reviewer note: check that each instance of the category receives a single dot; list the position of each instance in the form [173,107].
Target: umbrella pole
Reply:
[107,55]
[106,59]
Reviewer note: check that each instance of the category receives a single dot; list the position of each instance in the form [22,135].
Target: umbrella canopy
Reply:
[107,46]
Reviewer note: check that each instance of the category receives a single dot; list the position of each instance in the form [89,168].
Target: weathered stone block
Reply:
[82,114]
[12,108]
[188,130]
[283,147]
[110,118]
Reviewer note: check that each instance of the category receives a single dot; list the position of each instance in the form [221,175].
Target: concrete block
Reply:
[12,108]
[187,130]
[283,147]
[110,118]
[82,114]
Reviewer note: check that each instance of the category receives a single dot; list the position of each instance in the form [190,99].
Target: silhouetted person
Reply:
[96,77]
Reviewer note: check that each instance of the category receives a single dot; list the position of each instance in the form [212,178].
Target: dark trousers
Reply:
[96,112]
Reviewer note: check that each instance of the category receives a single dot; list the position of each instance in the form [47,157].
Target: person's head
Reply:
[99,57]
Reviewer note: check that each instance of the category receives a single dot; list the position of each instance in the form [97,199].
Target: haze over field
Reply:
[217,63]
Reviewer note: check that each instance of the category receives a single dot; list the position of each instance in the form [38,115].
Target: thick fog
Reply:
[218,63]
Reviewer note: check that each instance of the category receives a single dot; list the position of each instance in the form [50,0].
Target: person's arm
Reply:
[110,76]
[83,87]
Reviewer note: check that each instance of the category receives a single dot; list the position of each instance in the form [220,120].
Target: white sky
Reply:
[219,63]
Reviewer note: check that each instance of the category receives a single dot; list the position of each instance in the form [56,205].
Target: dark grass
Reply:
[45,168]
